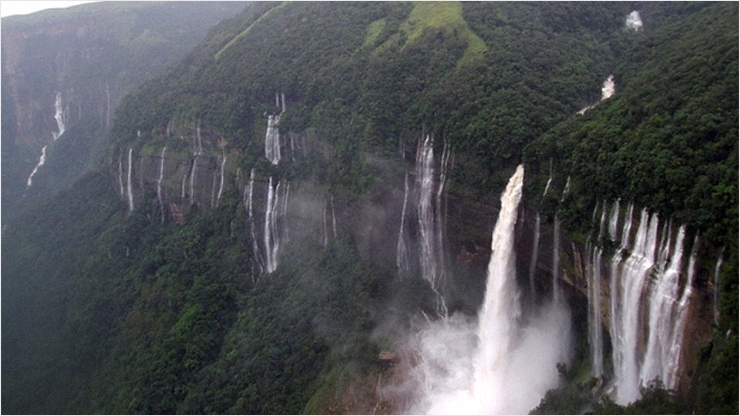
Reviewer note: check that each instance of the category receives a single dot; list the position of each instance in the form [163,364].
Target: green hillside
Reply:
[110,311]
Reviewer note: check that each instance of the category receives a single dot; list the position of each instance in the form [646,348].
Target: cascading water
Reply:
[535,253]
[272,140]
[275,227]
[650,287]
[715,302]
[221,184]
[272,242]
[59,117]
[629,280]
[497,327]
[159,181]
[556,296]
[402,255]
[431,218]
[633,21]
[272,135]
[594,309]
[511,366]
[256,255]
[120,175]
[129,191]
[608,89]
[193,169]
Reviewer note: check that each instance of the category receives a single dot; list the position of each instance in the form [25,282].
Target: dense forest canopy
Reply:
[108,309]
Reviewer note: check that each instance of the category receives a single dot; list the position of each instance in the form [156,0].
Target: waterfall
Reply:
[715,296]
[402,255]
[630,277]
[159,181]
[248,194]
[501,309]
[272,140]
[608,88]
[325,240]
[59,117]
[192,178]
[663,314]
[566,189]
[556,296]
[182,187]
[221,184]
[633,21]
[129,192]
[679,326]
[497,365]
[549,180]
[651,287]
[275,228]
[42,160]
[333,218]
[431,216]
[120,175]
[272,135]
[595,340]
[614,221]
[213,190]
[535,249]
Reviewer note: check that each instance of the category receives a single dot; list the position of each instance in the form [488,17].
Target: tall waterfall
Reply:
[256,255]
[431,216]
[275,229]
[159,181]
[497,328]
[499,364]
[59,117]
[129,191]
[595,340]
[650,288]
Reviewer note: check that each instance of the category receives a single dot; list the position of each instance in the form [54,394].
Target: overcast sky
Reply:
[9,8]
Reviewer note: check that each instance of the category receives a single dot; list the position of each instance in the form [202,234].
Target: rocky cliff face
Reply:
[73,67]
[197,168]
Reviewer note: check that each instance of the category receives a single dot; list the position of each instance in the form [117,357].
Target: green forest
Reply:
[110,311]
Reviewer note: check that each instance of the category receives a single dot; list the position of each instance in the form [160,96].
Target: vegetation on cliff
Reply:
[155,317]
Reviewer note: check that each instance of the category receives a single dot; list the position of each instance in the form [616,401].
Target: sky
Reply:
[10,8]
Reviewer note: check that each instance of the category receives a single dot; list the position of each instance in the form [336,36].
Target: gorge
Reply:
[387,208]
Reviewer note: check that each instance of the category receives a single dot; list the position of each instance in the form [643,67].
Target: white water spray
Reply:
[511,366]
[633,21]
[608,89]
